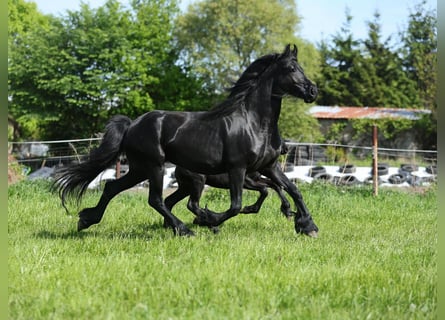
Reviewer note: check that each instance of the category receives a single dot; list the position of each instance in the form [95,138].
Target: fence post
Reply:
[118,168]
[375,174]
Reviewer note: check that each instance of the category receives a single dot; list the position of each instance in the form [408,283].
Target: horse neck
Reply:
[275,103]
[266,107]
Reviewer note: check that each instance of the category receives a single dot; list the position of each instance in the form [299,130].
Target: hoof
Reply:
[313,234]
[88,217]
[197,221]
[81,224]
[249,210]
[207,219]
[203,221]
[166,225]
[215,230]
[189,233]
[183,231]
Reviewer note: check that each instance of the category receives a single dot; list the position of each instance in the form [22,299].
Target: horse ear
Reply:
[295,50]
[286,51]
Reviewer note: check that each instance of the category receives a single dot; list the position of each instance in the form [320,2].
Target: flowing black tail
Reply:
[74,180]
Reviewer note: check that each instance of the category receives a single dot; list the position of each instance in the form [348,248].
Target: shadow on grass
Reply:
[140,232]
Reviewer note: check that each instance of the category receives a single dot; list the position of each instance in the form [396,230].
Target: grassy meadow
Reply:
[375,258]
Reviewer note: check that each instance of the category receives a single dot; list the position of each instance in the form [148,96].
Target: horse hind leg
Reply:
[193,205]
[172,200]
[213,219]
[285,205]
[251,184]
[90,216]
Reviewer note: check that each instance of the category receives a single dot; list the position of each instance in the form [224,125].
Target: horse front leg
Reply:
[209,218]
[303,220]
[172,200]
[90,216]
[285,205]
[156,176]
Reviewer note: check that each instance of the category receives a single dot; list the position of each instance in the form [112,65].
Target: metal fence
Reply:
[301,157]
[325,153]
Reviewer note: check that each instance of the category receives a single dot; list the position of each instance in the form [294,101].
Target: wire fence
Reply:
[37,154]
[33,155]
[327,153]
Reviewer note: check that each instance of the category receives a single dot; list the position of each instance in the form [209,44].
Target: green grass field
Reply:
[375,258]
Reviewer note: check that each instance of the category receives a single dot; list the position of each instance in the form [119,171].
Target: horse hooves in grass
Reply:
[207,219]
[215,230]
[249,210]
[289,214]
[183,231]
[313,234]
[87,217]
[81,224]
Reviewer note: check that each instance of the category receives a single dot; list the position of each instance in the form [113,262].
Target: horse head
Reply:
[290,77]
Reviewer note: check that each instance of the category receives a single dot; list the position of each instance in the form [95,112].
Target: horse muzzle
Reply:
[311,93]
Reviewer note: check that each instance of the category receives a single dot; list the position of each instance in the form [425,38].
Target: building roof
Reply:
[336,112]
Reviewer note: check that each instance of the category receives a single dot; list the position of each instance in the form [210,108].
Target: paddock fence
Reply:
[336,163]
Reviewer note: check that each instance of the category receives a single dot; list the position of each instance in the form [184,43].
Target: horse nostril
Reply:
[313,91]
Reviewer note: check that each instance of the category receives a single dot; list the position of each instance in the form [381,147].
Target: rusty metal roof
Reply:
[325,112]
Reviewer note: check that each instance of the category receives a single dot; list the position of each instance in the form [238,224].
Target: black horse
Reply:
[238,136]
[192,184]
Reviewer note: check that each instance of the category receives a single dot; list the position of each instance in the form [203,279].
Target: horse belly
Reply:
[201,157]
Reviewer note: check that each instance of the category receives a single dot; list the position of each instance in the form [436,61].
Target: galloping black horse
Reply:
[192,184]
[238,136]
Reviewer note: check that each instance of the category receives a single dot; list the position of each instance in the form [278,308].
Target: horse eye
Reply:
[292,68]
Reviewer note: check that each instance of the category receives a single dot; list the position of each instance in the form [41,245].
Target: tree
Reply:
[297,124]
[89,64]
[220,38]
[23,18]
[342,69]
[419,53]
[370,72]
[387,82]
[365,72]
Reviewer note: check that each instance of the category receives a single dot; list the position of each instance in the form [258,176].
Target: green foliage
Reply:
[98,62]
[336,155]
[340,69]
[67,75]
[375,257]
[296,123]
[371,72]
[335,131]
[363,73]
[385,81]
[420,52]
[389,128]
[221,38]
[23,18]
[30,126]
[420,60]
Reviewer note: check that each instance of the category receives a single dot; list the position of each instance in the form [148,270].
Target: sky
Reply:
[321,19]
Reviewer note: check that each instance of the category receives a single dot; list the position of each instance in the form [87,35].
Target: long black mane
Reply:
[239,92]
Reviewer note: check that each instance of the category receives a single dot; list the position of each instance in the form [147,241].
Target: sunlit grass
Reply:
[375,258]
